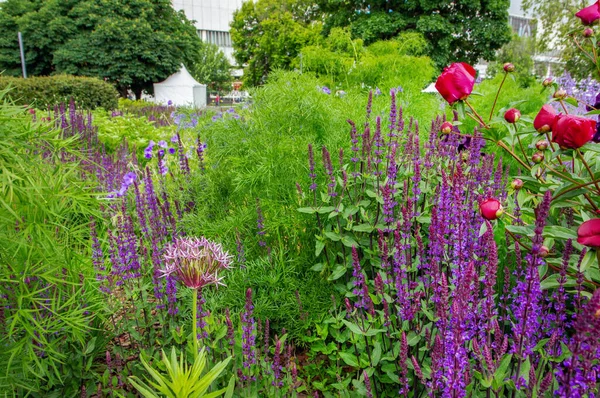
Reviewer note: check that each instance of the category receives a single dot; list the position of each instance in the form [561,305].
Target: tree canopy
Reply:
[269,34]
[131,43]
[211,67]
[457,30]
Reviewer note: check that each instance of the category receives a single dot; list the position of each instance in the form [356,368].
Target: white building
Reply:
[212,19]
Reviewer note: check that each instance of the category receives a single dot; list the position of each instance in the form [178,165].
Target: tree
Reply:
[457,30]
[555,18]
[131,43]
[268,34]
[559,29]
[211,67]
[519,52]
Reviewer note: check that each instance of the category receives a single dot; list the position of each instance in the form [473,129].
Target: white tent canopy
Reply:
[181,89]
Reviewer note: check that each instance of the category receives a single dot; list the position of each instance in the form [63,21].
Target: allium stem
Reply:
[194,325]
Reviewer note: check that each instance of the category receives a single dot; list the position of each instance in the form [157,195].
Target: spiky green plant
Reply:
[182,380]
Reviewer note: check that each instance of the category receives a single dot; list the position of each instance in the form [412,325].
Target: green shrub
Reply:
[44,91]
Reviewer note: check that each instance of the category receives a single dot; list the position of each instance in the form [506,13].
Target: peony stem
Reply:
[562,103]
[520,143]
[588,169]
[514,155]
[483,124]
[497,95]
[574,188]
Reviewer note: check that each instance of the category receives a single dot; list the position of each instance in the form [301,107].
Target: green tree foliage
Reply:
[130,43]
[560,32]
[459,30]
[342,61]
[268,34]
[212,68]
[518,52]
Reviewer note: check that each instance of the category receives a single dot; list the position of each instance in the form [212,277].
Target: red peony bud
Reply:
[588,233]
[544,120]
[456,82]
[508,67]
[446,128]
[516,184]
[541,145]
[560,94]
[547,82]
[588,32]
[589,15]
[512,115]
[490,209]
[573,132]
[537,157]
[544,251]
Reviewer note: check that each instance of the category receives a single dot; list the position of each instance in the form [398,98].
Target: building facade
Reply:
[212,19]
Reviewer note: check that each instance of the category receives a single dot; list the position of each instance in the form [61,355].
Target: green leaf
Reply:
[349,358]
[349,242]
[558,232]
[333,236]
[337,273]
[319,246]
[501,372]
[363,228]
[325,209]
[524,230]
[307,210]
[353,327]
[376,354]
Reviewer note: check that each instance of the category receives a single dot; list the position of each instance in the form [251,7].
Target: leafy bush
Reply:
[50,311]
[44,91]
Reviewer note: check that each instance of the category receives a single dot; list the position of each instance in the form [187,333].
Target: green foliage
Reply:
[512,96]
[51,309]
[136,131]
[211,67]
[113,40]
[43,92]
[182,381]
[262,155]
[268,34]
[519,52]
[384,64]
[464,30]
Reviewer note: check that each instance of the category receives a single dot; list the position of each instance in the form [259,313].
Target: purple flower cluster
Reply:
[248,337]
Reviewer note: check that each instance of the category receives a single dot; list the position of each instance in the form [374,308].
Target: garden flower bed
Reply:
[309,244]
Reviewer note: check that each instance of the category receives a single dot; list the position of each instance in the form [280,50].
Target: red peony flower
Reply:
[589,15]
[588,233]
[490,209]
[456,82]
[573,132]
[512,115]
[544,120]
[446,128]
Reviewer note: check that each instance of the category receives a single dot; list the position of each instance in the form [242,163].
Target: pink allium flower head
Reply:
[196,261]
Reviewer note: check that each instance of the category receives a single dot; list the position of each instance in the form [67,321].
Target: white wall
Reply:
[209,14]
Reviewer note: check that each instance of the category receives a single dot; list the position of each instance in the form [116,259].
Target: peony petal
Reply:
[470,70]
[589,15]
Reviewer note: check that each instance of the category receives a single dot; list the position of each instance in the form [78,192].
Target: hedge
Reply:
[41,92]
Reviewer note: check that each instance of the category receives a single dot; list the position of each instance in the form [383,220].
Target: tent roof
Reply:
[180,79]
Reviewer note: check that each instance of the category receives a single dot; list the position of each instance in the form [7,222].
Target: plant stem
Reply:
[587,166]
[194,325]
[483,124]
[514,155]
[497,95]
